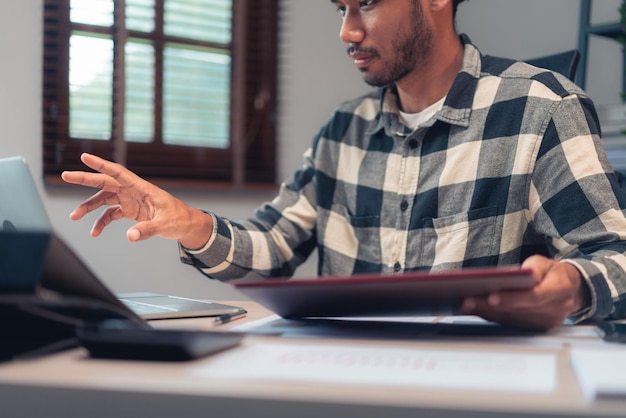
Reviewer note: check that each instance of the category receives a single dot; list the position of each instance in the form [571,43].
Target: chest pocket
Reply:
[352,243]
[460,240]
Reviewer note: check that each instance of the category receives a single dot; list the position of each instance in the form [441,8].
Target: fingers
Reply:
[95,180]
[505,300]
[110,176]
[519,299]
[120,189]
[109,215]
[535,318]
[98,200]
[122,176]
[545,305]
[139,232]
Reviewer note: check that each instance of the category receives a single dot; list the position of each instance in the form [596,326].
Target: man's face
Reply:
[388,39]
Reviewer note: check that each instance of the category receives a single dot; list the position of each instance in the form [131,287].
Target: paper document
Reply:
[601,371]
[356,365]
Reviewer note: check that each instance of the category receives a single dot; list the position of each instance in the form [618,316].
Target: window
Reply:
[173,89]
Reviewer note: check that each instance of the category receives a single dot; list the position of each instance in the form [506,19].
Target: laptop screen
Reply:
[24,228]
[21,208]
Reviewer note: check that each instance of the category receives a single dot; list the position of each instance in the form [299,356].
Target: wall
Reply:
[533,28]
[315,75]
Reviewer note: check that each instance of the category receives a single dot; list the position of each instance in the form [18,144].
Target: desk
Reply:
[69,384]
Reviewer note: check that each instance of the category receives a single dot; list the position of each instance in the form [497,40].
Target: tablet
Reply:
[414,293]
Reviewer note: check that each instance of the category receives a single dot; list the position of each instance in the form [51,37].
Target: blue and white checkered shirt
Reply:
[512,165]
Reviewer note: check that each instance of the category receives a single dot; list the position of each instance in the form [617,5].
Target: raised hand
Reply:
[126,195]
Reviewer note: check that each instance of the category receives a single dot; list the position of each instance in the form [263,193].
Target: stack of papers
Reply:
[384,366]
[601,371]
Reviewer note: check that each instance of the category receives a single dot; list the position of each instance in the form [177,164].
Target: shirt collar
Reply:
[456,109]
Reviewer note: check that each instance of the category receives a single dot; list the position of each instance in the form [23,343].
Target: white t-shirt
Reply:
[414,120]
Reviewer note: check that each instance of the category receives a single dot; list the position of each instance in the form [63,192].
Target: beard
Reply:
[410,50]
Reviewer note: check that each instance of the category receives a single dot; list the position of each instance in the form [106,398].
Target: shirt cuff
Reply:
[585,312]
[186,254]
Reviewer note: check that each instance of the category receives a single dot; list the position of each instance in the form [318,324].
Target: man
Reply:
[457,160]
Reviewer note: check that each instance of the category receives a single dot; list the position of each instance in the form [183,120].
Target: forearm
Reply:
[273,243]
[242,250]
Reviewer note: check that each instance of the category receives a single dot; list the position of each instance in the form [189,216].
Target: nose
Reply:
[352,31]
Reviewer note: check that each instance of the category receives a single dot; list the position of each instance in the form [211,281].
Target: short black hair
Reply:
[455,4]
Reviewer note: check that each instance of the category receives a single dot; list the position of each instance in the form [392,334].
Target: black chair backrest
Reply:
[565,63]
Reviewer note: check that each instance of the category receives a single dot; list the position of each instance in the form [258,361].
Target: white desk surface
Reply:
[70,384]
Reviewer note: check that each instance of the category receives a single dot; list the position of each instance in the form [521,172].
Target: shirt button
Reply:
[397,267]
[404,205]
[413,143]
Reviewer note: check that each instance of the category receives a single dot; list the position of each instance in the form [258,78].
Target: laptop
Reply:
[36,261]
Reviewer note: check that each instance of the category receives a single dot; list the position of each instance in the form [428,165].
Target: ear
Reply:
[437,6]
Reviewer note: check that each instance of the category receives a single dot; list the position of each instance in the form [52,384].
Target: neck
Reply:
[430,83]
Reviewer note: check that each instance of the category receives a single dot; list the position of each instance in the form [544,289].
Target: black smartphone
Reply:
[612,331]
[120,342]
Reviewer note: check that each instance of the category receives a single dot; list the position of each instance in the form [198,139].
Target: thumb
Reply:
[133,234]
[140,231]
[539,265]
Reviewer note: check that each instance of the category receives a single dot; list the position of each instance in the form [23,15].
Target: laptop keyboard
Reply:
[145,308]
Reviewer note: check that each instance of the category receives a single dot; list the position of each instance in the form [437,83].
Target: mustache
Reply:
[355,49]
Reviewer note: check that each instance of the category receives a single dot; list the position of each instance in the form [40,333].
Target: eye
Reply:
[366,3]
[341,8]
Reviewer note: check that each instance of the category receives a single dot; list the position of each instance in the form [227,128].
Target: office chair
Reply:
[565,63]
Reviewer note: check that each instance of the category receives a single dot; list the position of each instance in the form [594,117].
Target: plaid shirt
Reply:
[512,165]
